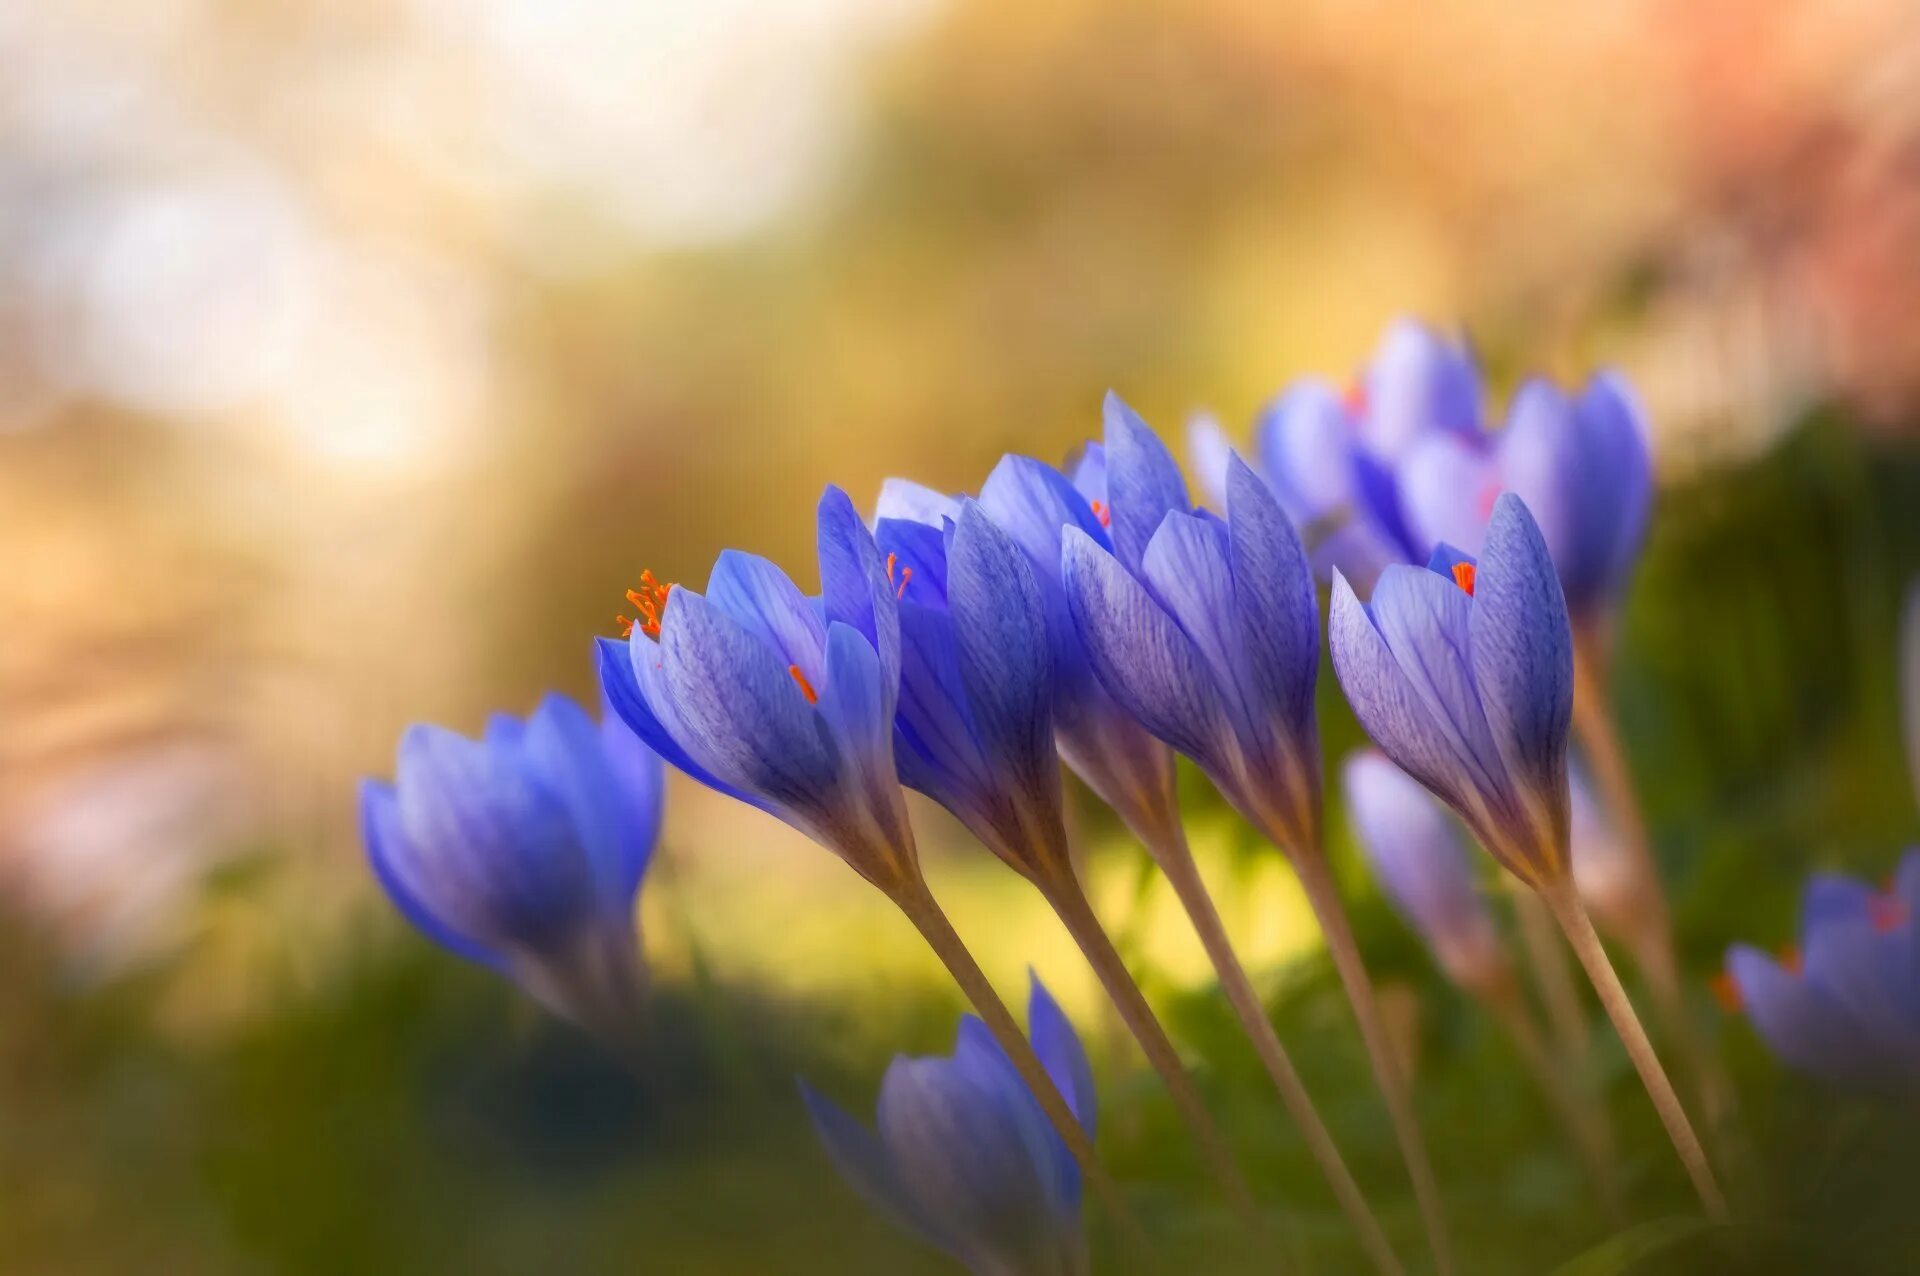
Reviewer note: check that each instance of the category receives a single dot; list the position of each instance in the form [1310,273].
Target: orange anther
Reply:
[1101,512]
[806,688]
[1463,576]
[1726,993]
[905,574]
[650,600]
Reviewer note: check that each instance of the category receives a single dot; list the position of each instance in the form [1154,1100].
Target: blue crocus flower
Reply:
[524,851]
[963,1156]
[1846,1007]
[1416,853]
[1462,672]
[1205,630]
[974,729]
[782,701]
[1580,464]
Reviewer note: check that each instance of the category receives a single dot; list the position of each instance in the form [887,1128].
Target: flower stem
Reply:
[1175,859]
[1652,941]
[1552,976]
[1316,878]
[917,902]
[1069,902]
[1586,1125]
[1564,903]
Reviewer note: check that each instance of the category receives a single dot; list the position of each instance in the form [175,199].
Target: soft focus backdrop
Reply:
[356,357]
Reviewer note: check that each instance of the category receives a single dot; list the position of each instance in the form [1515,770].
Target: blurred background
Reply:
[356,357]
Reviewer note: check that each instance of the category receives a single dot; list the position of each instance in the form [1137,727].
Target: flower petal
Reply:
[861,1160]
[620,682]
[1060,1052]
[1446,481]
[857,706]
[1798,1023]
[563,750]
[1000,627]
[1139,654]
[913,502]
[1426,621]
[1209,449]
[1277,607]
[738,712]
[1392,713]
[1522,652]
[916,555]
[769,606]
[1143,482]
[392,858]
[853,583]
[1418,381]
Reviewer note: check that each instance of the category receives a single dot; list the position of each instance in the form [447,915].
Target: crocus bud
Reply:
[1416,854]
[1462,672]
[963,1157]
[524,851]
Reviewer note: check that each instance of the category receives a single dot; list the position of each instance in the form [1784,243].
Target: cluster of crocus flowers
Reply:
[1844,1005]
[961,1155]
[524,851]
[1462,672]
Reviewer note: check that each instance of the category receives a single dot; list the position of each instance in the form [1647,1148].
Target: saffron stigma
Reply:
[905,575]
[806,688]
[1463,577]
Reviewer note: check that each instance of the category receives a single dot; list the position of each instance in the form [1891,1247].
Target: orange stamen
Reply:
[1101,512]
[1726,993]
[1887,913]
[906,574]
[806,688]
[650,600]
[1463,576]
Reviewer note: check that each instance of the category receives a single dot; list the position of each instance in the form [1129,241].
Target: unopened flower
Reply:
[1462,672]
[1845,1006]
[1416,853]
[1206,631]
[524,851]
[963,1157]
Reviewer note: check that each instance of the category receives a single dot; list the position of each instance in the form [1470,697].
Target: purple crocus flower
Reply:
[1416,853]
[1463,673]
[974,730]
[782,701]
[1580,464]
[1205,630]
[524,851]
[1846,1008]
[964,1158]
[1331,458]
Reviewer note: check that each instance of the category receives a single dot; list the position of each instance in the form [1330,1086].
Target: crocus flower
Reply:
[1205,630]
[1417,856]
[1331,458]
[524,851]
[760,692]
[1846,1007]
[974,729]
[1581,466]
[1036,504]
[963,1157]
[1462,672]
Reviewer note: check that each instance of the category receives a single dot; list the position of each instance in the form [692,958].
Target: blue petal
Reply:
[1304,439]
[1000,627]
[911,502]
[641,778]
[1831,898]
[857,706]
[854,586]
[1140,655]
[564,752]
[1523,658]
[1426,622]
[1798,1023]
[1278,609]
[1446,482]
[1394,716]
[1210,451]
[938,753]
[495,850]
[1418,381]
[1143,482]
[1615,434]
[861,1160]
[1870,974]
[917,557]
[770,607]
[392,857]
[738,711]
[1088,471]
[1060,1052]
[1034,503]
[620,683]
